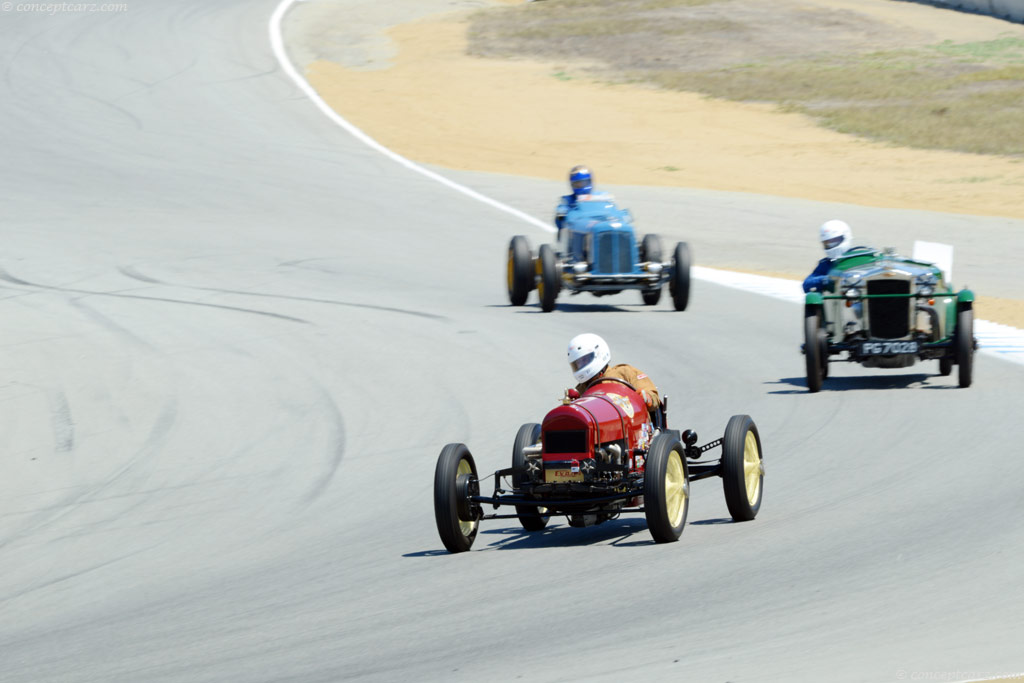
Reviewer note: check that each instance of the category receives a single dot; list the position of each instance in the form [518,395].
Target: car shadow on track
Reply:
[868,383]
[621,533]
[713,520]
[531,309]
[617,532]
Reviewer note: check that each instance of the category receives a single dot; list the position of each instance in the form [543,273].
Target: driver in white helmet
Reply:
[836,238]
[589,359]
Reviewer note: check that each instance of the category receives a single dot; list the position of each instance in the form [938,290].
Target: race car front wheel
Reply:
[679,283]
[519,270]
[742,468]
[455,481]
[650,250]
[963,345]
[813,351]
[529,516]
[666,488]
[547,278]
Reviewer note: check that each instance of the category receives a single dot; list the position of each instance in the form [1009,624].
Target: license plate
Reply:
[561,475]
[887,348]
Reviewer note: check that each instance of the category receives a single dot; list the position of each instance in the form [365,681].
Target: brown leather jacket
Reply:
[639,380]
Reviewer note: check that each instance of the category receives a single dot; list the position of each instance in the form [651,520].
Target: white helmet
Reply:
[836,237]
[588,355]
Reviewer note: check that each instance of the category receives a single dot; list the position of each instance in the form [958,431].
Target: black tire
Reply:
[548,281]
[455,480]
[679,283]
[666,488]
[520,270]
[823,345]
[650,250]
[812,351]
[528,435]
[963,345]
[946,366]
[742,468]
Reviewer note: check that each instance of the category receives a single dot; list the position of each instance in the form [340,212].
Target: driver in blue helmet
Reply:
[582,184]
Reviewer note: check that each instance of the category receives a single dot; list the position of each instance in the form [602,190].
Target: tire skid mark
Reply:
[146,86]
[135,120]
[131,272]
[4,275]
[248,77]
[136,275]
[120,496]
[118,330]
[336,444]
[17,53]
[47,583]
[150,446]
[63,425]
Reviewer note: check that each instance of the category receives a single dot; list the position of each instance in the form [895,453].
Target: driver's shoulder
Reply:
[622,371]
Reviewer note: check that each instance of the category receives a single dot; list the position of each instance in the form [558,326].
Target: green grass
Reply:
[1006,49]
[911,99]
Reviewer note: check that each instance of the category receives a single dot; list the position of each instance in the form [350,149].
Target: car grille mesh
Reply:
[569,441]
[613,253]
[889,318]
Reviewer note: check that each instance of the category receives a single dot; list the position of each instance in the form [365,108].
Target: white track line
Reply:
[277,44]
[995,339]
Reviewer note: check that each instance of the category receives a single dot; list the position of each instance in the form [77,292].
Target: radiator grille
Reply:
[614,253]
[889,318]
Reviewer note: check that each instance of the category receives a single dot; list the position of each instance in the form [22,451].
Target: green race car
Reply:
[887,311]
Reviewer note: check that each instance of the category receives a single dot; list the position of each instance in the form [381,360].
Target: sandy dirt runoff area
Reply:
[412,87]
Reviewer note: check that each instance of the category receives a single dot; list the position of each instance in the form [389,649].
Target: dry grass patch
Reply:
[965,97]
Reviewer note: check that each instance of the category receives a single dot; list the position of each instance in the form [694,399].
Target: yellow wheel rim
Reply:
[466,527]
[511,270]
[753,469]
[676,489]
[540,279]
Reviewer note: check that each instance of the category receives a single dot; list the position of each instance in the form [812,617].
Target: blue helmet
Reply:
[580,180]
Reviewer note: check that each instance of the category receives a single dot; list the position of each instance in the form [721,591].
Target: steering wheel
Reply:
[599,380]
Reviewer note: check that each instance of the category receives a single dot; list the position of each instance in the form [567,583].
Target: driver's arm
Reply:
[562,210]
[819,279]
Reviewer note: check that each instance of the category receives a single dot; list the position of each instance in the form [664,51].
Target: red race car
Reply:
[595,457]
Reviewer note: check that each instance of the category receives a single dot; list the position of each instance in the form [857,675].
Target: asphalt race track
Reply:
[235,340]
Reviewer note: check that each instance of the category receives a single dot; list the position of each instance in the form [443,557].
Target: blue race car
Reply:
[597,251]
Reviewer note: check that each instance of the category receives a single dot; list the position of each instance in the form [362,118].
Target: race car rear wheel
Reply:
[946,366]
[650,250]
[455,480]
[666,488]
[679,283]
[813,350]
[742,468]
[963,345]
[548,282]
[529,515]
[520,270]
